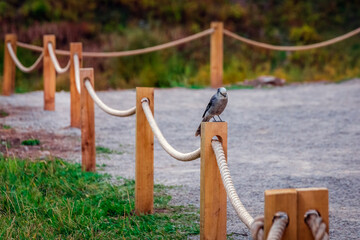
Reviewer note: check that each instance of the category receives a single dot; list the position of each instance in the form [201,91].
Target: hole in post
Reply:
[217,138]
[145,100]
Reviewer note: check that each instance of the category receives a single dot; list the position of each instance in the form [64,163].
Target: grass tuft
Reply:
[31,142]
[6,127]
[105,150]
[3,113]
[56,200]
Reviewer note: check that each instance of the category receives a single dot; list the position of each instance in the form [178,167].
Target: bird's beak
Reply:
[224,95]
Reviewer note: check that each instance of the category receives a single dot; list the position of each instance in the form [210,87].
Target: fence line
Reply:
[164,144]
[57,66]
[292,48]
[106,108]
[19,64]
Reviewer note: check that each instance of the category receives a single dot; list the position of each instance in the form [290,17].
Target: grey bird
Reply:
[215,107]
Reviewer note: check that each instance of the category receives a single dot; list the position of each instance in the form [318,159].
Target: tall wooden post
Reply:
[87,122]
[216,55]
[9,66]
[144,175]
[75,48]
[311,198]
[212,191]
[281,200]
[49,75]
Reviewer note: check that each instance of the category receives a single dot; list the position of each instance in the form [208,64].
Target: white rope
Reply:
[229,186]
[18,63]
[55,61]
[164,144]
[77,72]
[104,107]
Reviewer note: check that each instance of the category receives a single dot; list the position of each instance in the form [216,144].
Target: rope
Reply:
[40,49]
[19,64]
[55,61]
[292,48]
[164,144]
[316,225]
[149,49]
[77,72]
[229,186]
[104,107]
[257,228]
[280,222]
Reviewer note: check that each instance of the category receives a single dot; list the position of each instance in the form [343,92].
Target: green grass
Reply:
[6,127]
[3,113]
[31,142]
[56,200]
[101,149]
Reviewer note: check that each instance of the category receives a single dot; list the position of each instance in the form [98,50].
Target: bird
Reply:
[215,107]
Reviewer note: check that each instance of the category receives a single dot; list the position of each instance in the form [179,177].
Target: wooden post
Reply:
[144,173]
[49,75]
[9,66]
[87,122]
[212,191]
[311,198]
[284,200]
[75,48]
[216,55]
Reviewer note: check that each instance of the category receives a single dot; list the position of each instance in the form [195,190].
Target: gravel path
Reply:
[289,137]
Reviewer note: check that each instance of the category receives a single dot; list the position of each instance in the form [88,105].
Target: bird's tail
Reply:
[198,131]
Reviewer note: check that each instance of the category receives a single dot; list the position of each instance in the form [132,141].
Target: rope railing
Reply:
[316,225]
[77,72]
[149,49]
[106,108]
[164,144]
[280,222]
[243,214]
[40,49]
[292,48]
[57,66]
[19,64]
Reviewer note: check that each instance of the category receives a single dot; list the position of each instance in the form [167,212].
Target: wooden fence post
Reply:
[75,48]
[9,66]
[216,55]
[284,200]
[49,75]
[212,191]
[311,198]
[87,122]
[144,173]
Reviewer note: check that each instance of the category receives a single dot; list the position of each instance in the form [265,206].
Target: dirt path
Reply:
[295,136]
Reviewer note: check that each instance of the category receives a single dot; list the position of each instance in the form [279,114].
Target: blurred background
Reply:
[116,25]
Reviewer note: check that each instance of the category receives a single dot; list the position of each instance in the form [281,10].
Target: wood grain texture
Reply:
[284,200]
[88,153]
[212,191]
[9,66]
[144,169]
[216,55]
[311,198]
[49,75]
[75,116]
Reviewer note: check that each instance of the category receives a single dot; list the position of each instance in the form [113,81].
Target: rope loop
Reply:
[257,228]
[19,64]
[55,60]
[280,222]
[316,225]
[163,142]
[104,107]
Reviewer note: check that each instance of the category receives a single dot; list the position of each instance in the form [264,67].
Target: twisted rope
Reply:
[149,49]
[19,64]
[292,48]
[40,49]
[316,225]
[280,222]
[257,228]
[106,108]
[243,214]
[55,61]
[164,144]
[77,72]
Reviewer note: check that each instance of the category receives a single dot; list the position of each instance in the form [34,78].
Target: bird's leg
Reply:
[214,119]
[220,118]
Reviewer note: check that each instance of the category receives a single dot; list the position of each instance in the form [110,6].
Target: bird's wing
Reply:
[212,100]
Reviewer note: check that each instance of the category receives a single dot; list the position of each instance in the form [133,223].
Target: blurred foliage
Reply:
[116,25]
